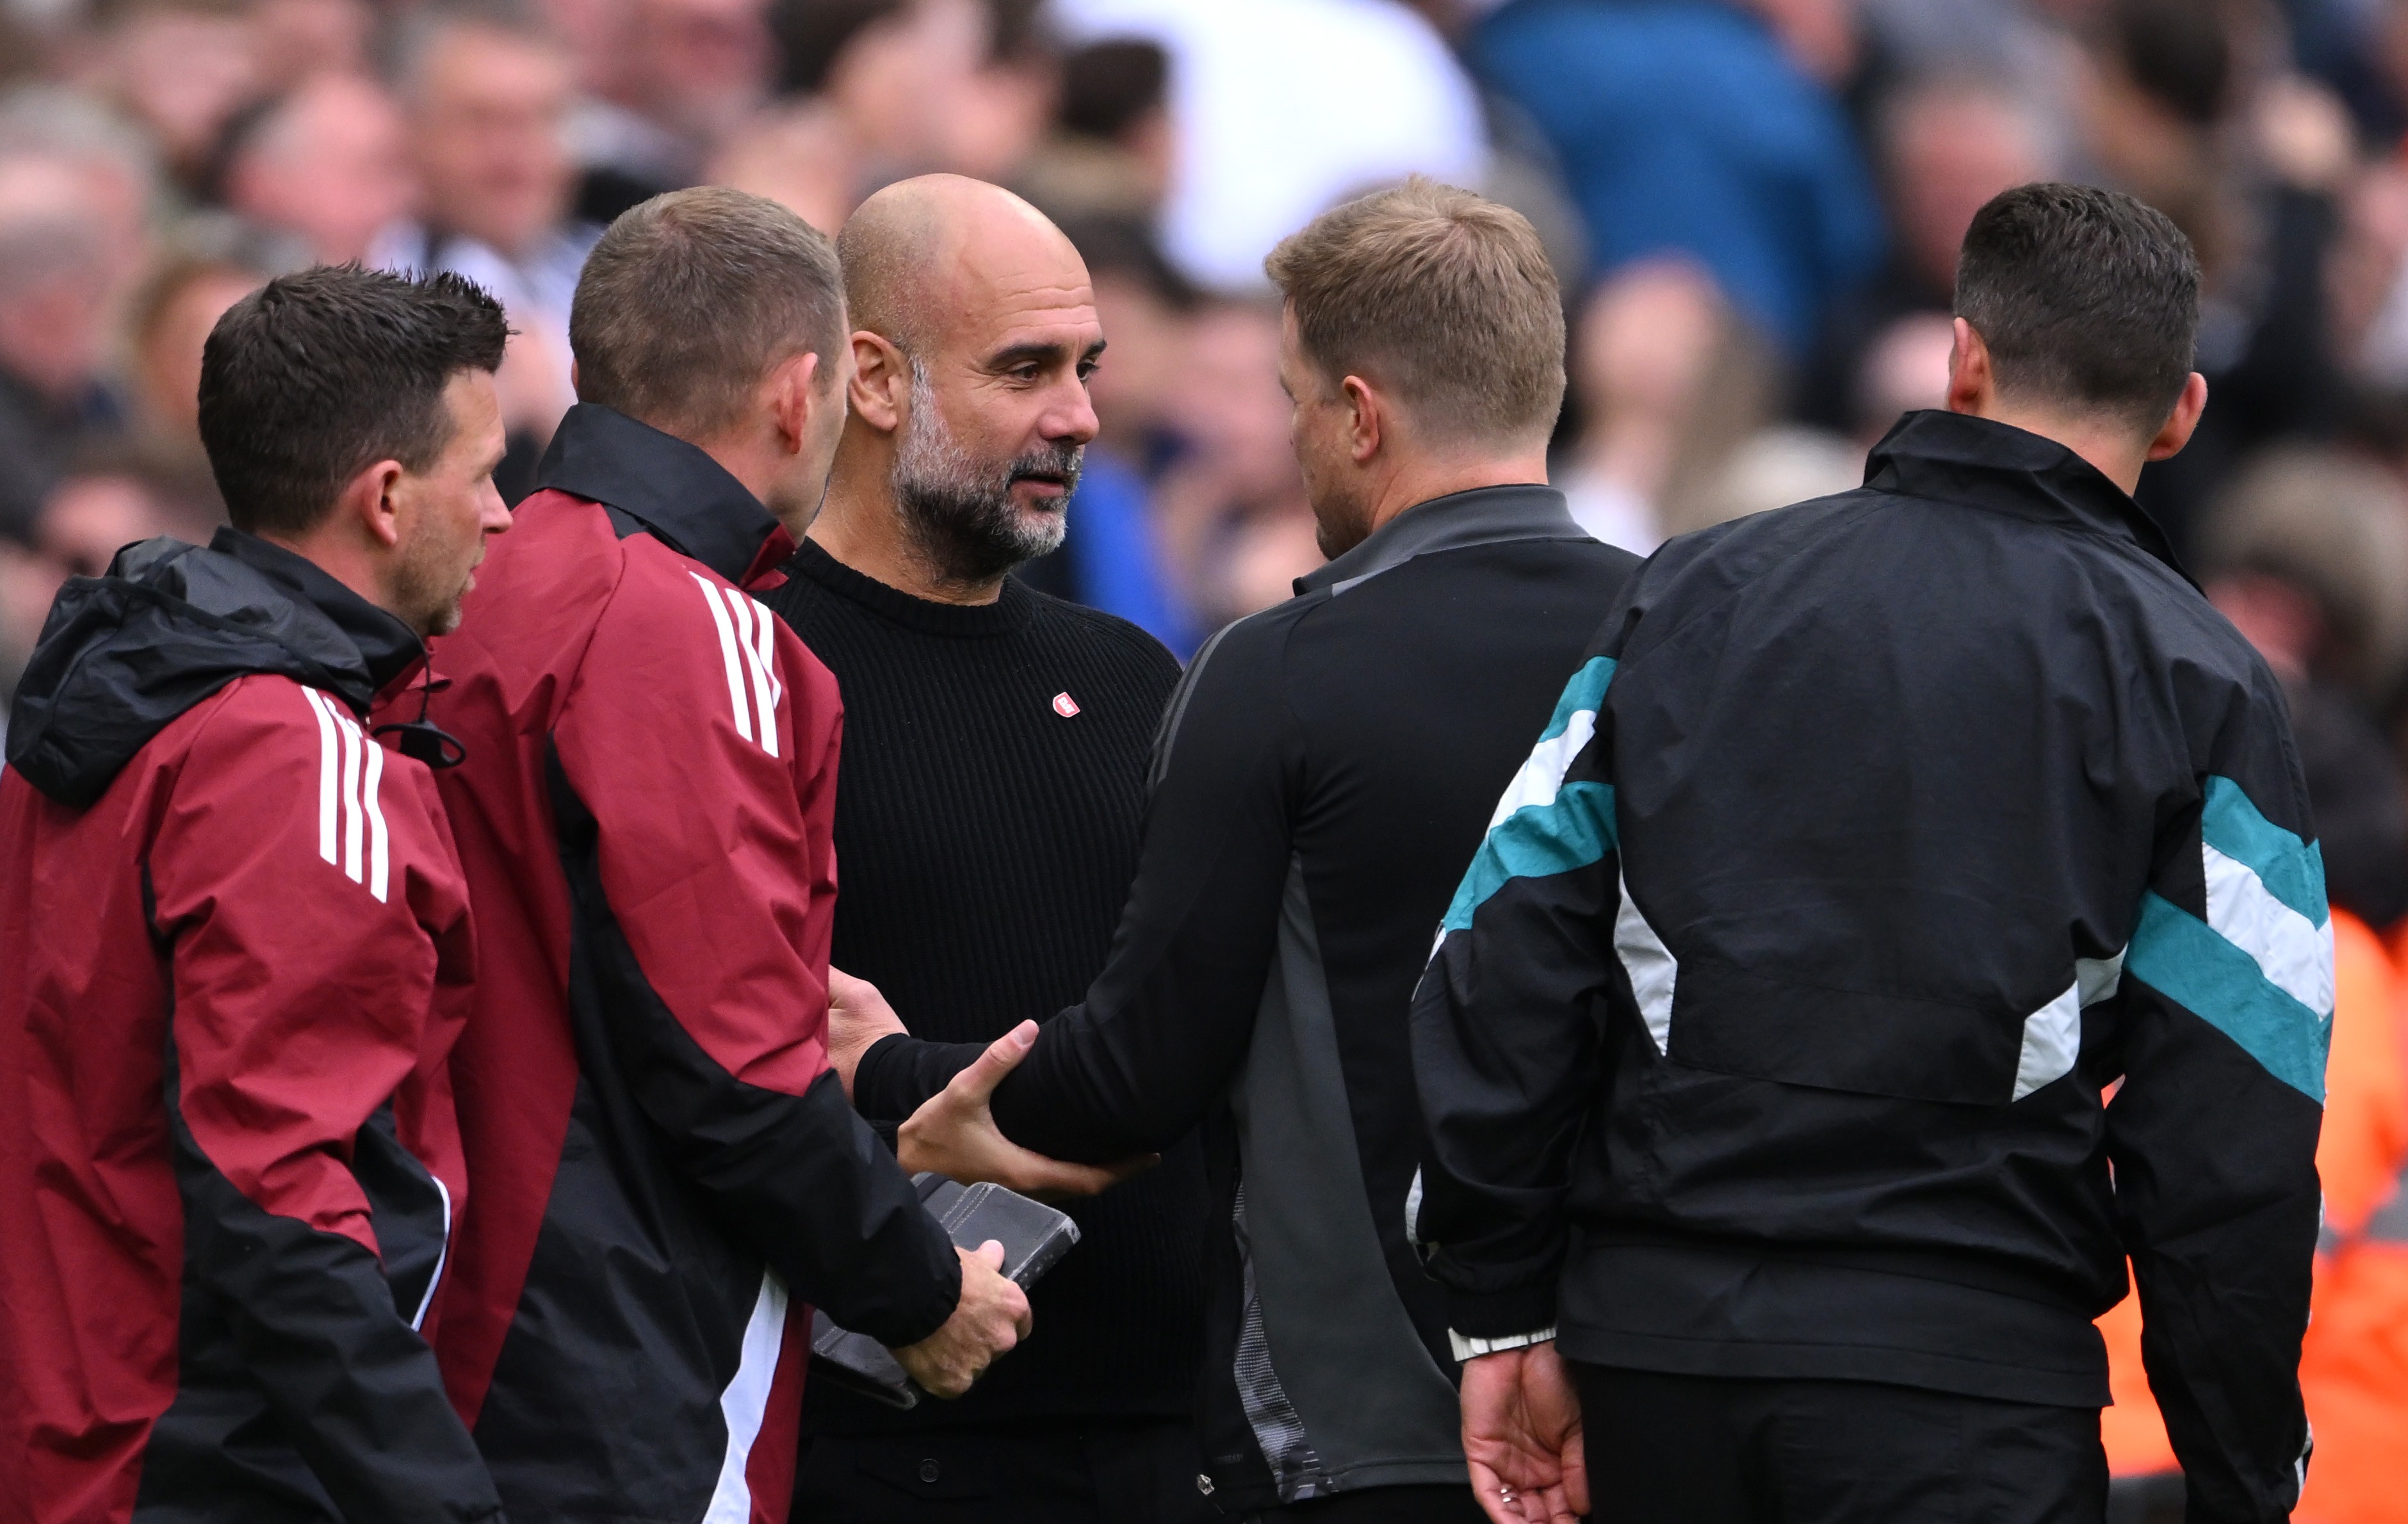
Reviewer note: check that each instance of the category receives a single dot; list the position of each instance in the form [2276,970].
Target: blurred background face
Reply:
[330,164]
[168,346]
[55,275]
[487,110]
[698,67]
[1950,148]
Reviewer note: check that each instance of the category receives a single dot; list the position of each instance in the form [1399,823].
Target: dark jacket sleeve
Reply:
[2228,1007]
[1505,1024]
[1164,1027]
[694,787]
[285,882]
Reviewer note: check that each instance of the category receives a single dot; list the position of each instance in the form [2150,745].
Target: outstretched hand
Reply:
[858,1017]
[1522,1435]
[954,1133]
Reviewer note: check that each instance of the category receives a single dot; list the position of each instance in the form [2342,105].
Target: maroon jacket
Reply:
[661,1153]
[235,951]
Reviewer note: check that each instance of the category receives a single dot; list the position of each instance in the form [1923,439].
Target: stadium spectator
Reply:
[488,97]
[181,69]
[1682,127]
[328,163]
[1948,143]
[671,83]
[57,266]
[1284,107]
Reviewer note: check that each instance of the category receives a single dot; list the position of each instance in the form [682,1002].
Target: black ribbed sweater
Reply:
[985,840]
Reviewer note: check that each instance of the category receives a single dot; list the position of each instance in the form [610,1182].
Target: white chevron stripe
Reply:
[727,654]
[1542,774]
[2053,1033]
[2295,955]
[746,1399]
[1652,969]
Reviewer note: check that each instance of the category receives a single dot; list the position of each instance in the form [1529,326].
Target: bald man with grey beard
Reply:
[996,741]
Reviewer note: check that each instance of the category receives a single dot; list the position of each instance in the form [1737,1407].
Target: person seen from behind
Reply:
[1766,1052]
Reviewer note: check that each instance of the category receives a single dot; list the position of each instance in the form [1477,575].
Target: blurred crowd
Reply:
[1754,206]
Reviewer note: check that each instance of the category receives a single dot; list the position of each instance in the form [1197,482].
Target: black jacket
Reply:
[1773,1029]
[1322,778]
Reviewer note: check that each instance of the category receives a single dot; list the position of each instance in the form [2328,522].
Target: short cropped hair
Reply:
[317,376]
[2086,298]
[691,298]
[1439,295]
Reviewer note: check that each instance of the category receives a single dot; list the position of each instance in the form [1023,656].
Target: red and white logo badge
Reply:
[1065,705]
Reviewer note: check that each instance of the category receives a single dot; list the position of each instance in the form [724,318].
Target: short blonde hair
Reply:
[1440,296]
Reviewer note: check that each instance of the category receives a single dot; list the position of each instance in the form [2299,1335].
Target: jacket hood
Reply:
[124,655]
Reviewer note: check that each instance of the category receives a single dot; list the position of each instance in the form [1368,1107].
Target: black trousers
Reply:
[1119,1472]
[1680,1449]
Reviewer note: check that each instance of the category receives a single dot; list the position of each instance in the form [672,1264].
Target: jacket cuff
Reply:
[1501,1315]
[936,1311]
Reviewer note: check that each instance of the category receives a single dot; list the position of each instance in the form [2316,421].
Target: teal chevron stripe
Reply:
[2181,956]
[1586,690]
[2293,870]
[1533,843]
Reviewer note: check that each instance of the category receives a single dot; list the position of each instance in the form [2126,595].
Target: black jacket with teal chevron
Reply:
[1910,911]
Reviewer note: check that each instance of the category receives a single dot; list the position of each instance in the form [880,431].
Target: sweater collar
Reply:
[1958,457]
[389,648]
[1483,515]
[1009,612]
[681,495]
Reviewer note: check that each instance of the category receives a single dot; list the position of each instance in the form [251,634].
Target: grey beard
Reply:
[958,510]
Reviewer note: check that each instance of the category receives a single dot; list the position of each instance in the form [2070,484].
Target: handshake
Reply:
[954,1133]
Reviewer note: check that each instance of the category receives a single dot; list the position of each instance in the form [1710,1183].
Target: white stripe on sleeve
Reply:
[353,824]
[748,636]
[378,850]
[727,654]
[326,766]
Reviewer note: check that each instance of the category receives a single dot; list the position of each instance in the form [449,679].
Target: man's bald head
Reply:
[929,251]
[974,331]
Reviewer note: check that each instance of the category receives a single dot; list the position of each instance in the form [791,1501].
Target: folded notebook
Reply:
[1034,1237]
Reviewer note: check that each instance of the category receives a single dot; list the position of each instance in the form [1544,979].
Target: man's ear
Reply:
[371,501]
[1366,418]
[881,381]
[1972,386]
[794,398]
[2183,421]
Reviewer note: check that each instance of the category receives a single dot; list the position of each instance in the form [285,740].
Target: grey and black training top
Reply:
[1324,773]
